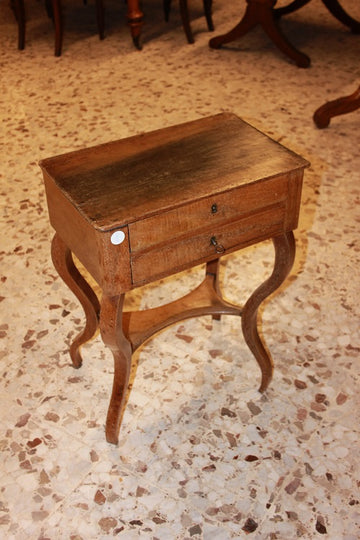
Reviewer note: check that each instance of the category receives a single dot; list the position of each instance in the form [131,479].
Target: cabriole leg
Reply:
[64,264]
[284,258]
[113,337]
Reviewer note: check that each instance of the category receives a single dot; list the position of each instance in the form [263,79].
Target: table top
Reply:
[120,182]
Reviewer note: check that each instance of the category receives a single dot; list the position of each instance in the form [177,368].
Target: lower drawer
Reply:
[178,255]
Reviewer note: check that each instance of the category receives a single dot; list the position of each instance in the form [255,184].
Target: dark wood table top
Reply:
[122,181]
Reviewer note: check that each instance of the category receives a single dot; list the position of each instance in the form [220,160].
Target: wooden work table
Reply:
[139,209]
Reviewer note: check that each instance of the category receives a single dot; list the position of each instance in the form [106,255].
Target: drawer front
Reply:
[152,264]
[208,212]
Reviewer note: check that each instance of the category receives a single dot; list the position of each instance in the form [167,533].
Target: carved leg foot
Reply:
[113,337]
[284,258]
[341,15]
[64,264]
[342,105]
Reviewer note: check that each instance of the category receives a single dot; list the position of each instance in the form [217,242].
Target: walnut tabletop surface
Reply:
[119,182]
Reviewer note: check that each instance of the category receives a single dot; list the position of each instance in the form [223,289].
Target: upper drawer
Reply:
[210,211]
[151,264]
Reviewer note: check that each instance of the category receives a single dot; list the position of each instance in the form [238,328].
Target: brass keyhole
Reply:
[218,247]
[214,208]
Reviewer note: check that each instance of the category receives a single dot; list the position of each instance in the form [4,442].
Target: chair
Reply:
[54,10]
[184,11]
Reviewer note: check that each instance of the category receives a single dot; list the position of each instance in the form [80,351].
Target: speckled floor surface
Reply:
[202,454]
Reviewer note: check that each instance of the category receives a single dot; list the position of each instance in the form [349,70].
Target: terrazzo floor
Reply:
[202,454]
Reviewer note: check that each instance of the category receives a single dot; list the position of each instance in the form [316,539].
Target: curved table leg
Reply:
[64,264]
[284,257]
[113,337]
[341,15]
[268,22]
[247,23]
[342,105]
[332,5]
[293,6]
[262,12]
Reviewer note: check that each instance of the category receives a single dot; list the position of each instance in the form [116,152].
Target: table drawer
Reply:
[210,211]
[153,263]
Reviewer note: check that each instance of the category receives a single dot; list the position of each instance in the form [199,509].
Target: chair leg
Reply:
[19,9]
[167,5]
[49,9]
[184,12]
[100,18]
[186,20]
[58,24]
[208,14]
